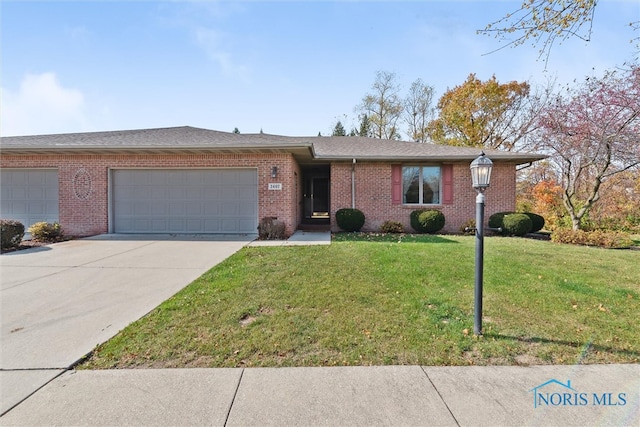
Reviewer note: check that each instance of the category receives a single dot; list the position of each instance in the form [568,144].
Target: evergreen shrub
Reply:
[350,219]
[11,233]
[516,224]
[427,220]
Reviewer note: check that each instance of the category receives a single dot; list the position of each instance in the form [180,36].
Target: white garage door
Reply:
[185,201]
[29,195]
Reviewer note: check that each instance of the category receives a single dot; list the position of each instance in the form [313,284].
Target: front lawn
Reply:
[387,300]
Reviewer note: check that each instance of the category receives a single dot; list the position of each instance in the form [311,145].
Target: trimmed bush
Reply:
[495,220]
[46,232]
[427,220]
[604,239]
[516,224]
[11,233]
[350,219]
[391,227]
[270,228]
[537,221]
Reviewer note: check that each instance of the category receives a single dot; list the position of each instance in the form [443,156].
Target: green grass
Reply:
[378,300]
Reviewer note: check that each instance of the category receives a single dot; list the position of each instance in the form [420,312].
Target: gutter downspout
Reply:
[353,184]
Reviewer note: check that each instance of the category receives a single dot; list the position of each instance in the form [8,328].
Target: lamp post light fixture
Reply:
[481,177]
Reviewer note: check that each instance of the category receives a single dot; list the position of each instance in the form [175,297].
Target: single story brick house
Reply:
[191,180]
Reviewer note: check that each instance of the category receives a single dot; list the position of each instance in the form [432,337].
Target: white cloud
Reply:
[41,105]
[212,42]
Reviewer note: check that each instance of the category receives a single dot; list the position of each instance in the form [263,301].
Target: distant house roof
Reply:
[190,139]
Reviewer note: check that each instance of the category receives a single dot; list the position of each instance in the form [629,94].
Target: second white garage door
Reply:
[185,201]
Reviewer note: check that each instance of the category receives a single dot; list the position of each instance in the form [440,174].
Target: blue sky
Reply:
[286,67]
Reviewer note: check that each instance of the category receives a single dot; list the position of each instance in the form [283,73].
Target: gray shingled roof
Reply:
[195,139]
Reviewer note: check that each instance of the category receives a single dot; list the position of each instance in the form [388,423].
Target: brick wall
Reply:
[373,194]
[84,196]
[84,193]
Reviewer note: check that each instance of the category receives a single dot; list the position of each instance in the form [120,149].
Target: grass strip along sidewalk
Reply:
[379,300]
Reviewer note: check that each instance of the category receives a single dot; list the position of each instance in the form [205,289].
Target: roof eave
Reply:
[518,159]
[74,149]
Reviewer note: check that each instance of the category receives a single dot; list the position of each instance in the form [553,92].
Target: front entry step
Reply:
[315,226]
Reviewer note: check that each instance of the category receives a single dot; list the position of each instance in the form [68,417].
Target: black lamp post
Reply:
[481,176]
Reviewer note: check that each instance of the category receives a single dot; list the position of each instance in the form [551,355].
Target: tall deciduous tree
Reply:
[484,114]
[383,106]
[545,22]
[592,132]
[418,110]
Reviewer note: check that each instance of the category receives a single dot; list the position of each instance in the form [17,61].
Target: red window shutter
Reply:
[396,184]
[447,184]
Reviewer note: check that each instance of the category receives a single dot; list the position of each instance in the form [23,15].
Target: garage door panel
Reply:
[185,201]
[193,209]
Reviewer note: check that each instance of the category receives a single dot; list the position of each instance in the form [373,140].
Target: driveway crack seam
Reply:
[116,254]
[34,392]
[233,400]
[441,398]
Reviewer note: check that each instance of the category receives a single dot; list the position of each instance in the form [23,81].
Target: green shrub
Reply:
[427,220]
[270,228]
[350,219]
[495,220]
[537,221]
[391,227]
[516,224]
[468,227]
[11,233]
[46,231]
[605,239]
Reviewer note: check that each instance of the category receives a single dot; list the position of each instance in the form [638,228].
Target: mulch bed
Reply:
[25,244]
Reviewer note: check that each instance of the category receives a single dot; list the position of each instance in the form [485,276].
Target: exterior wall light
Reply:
[481,177]
[274,171]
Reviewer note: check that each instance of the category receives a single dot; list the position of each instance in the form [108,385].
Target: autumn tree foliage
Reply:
[544,22]
[619,207]
[592,133]
[483,114]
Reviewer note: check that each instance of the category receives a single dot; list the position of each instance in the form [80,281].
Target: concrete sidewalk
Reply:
[356,396]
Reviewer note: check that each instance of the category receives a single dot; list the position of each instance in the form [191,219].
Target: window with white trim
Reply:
[421,185]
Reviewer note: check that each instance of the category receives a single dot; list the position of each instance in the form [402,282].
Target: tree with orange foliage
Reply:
[483,114]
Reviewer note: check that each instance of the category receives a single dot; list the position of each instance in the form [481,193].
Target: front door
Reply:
[316,197]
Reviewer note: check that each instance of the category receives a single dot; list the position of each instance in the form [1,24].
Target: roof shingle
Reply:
[186,137]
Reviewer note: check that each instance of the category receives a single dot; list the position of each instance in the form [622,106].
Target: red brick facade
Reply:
[85,211]
[373,194]
[85,201]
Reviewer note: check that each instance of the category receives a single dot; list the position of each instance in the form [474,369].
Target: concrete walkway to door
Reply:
[59,301]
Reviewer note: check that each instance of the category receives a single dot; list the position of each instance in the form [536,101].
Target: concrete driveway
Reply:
[58,302]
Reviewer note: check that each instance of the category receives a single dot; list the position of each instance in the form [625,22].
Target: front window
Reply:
[421,185]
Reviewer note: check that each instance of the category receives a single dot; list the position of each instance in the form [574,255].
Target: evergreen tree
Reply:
[365,126]
[236,130]
[339,130]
